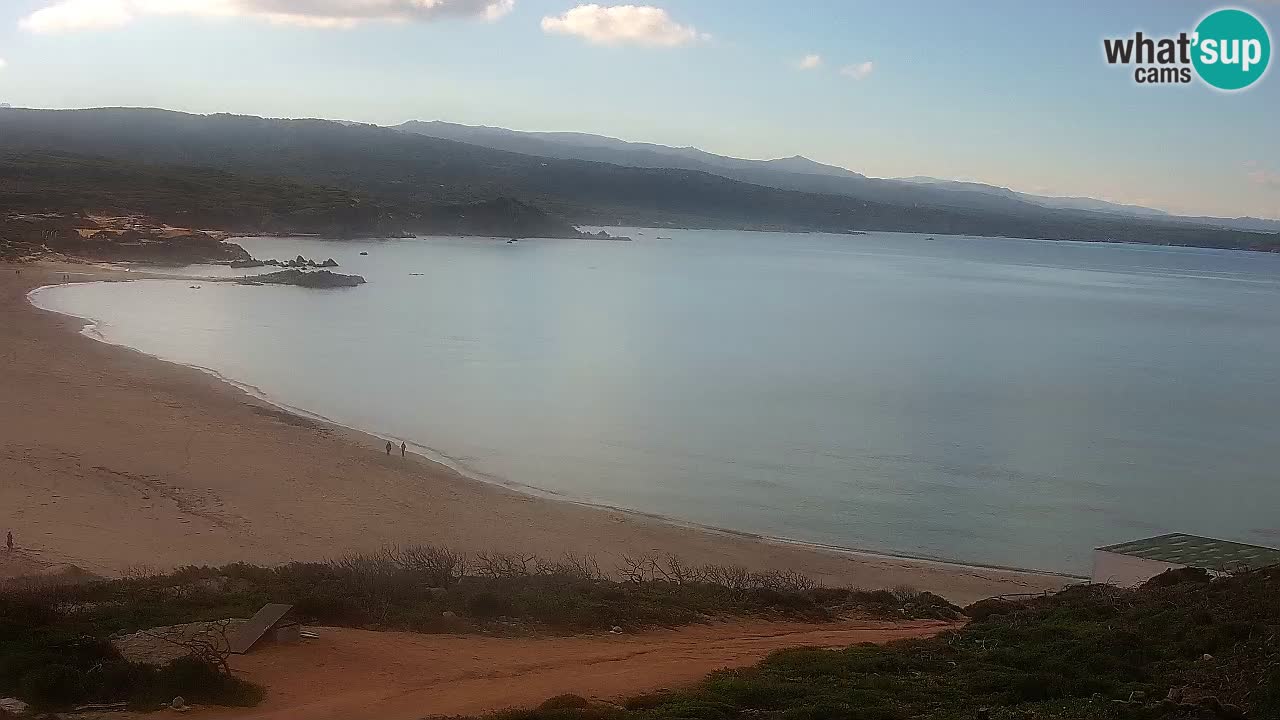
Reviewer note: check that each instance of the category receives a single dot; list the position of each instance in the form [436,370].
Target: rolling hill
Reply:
[386,179]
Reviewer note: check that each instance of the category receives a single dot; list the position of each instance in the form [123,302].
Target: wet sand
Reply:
[112,460]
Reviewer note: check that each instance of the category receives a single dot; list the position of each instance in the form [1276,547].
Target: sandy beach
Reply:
[112,460]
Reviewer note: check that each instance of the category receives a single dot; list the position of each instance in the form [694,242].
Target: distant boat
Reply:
[663,237]
[364,253]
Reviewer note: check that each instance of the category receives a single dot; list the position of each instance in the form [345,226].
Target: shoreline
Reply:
[429,454]
[950,234]
[705,543]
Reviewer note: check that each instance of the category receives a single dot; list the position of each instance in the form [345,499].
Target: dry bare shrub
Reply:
[139,571]
[734,577]
[207,642]
[438,566]
[637,568]
[505,565]
[578,566]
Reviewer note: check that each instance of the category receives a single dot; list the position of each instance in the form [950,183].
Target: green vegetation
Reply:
[51,181]
[54,654]
[1181,647]
[55,649]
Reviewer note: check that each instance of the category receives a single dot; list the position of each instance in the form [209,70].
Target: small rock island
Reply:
[319,279]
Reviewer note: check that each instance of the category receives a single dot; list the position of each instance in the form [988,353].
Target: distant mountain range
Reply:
[1064,203]
[796,173]
[598,148]
[240,172]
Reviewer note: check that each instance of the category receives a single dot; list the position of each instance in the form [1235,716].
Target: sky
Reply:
[1006,92]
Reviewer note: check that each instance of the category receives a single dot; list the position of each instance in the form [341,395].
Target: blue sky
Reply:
[1008,92]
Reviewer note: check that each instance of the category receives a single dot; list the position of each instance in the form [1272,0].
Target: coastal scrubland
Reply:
[1182,646]
[56,638]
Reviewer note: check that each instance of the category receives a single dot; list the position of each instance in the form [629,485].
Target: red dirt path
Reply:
[356,674]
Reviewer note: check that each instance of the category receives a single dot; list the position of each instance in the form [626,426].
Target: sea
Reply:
[993,401]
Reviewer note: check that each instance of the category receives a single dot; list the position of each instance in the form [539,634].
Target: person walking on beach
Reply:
[8,540]
[403,447]
[388,447]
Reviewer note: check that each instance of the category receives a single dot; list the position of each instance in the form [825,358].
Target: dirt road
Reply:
[357,675]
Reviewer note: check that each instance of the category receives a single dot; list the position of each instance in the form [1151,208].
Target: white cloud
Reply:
[1264,177]
[859,71]
[623,25]
[72,15]
[810,62]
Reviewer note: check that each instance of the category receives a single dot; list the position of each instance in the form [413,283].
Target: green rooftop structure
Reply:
[1132,563]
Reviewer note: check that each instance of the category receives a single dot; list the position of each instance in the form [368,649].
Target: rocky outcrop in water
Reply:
[298,262]
[602,235]
[319,279]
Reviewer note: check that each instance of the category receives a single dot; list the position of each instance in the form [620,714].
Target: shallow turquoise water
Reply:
[985,400]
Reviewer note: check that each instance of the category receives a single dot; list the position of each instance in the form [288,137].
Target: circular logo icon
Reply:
[1232,49]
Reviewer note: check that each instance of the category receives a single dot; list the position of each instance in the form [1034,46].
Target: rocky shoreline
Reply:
[140,239]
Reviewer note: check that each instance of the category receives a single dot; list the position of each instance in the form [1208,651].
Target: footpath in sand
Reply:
[111,460]
[362,675]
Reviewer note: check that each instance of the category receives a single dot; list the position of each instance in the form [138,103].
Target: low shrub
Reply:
[55,652]
[564,702]
[1088,653]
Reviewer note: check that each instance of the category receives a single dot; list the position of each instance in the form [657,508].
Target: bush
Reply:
[1077,655]
[564,702]
[53,685]
[202,682]
[487,605]
[990,607]
[54,647]
[54,652]
[1177,576]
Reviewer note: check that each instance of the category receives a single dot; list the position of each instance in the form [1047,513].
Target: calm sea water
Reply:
[984,400]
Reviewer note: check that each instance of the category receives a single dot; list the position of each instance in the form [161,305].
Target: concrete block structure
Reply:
[1132,563]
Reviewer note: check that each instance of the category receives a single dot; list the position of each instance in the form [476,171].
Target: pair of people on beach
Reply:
[391,447]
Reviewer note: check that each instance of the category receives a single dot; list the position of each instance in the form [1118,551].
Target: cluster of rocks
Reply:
[32,240]
[298,262]
[162,645]
[319,279]
[602,235]
[20,251]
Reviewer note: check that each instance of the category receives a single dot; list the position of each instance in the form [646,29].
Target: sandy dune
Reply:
[110,459]
[355,674]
